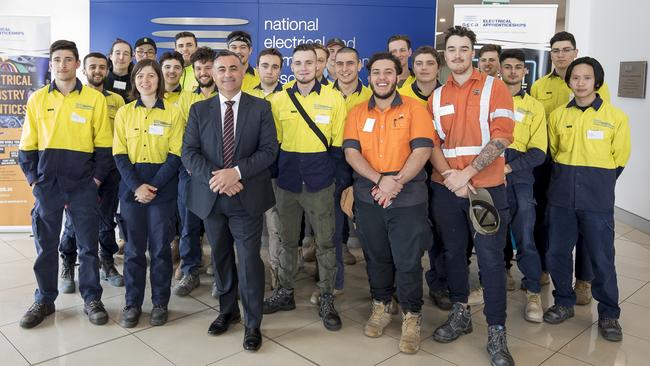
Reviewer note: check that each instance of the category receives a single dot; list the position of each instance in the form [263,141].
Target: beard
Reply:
[92,81]
[206,85]
[384,96]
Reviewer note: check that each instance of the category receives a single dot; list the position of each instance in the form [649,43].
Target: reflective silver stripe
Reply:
[484,111]
[462,151]
[437,94]
[502,113]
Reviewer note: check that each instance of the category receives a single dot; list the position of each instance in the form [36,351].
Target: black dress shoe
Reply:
[222,323]
[252,339]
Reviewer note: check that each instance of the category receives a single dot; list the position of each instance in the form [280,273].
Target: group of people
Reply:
[199,140]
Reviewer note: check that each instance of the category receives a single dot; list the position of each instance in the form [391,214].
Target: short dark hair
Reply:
[269,51]
[427,50]
[385,56]
[399,37]
[203,54]
[170,55]
[460,31]
[239,35]
[513,53]
[322,48]
[563,36]
[160,89]
[349,50]
[118,41]
[180,35]
[63,44]
[490,48]
[226,53]
[96,55]
[599,73]
[304,47]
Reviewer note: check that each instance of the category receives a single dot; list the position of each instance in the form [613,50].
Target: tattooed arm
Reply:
[457,179]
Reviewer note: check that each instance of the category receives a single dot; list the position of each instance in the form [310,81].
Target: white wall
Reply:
[70,19]
[613,31]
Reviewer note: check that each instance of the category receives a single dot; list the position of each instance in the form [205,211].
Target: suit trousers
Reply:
[148,226]
[81,204]
[229,226]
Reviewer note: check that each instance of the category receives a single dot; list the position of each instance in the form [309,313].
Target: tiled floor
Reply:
[298,338]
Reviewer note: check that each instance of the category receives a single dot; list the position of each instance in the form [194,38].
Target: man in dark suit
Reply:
[229,143]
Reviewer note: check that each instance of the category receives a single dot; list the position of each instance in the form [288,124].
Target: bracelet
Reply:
[379,180]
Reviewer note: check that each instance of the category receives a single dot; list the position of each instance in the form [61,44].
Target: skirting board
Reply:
[633,220]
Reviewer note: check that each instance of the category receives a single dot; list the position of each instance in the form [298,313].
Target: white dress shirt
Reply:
[235,110]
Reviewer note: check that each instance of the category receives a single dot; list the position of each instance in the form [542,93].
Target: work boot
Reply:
[545,279]
[130,316]
[557,314]
[159,315]
[583,292]
[409,342]
[188,283]
[281,299]
[96,312]
[534,311]
[328,313]
[67,278]
[108,272]
[475,297]
[176,251]
[309,250]
[215,291]
[120,246]
[441,299]
[178,273]
[458,323]
[497,346]
[274,278]
[510,281]
[348,258]
[610,329]
[379,319]
[36,314]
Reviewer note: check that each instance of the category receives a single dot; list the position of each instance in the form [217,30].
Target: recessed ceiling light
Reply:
[442,20]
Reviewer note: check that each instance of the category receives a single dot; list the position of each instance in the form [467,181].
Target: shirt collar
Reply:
[595,104]
[396,102]
[278,87]
[357,90]
[316,88]
[77,86]
[178,89]
[324,81]
[521,93]
[250,70]
[554,74]
[418,92]
[105,92]
[476,75]
[223,100]
[159,104]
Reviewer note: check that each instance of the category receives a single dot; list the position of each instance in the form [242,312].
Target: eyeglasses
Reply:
[563,51]
[142,53]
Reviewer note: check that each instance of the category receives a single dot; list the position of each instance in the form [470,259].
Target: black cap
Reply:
[146,40]
[334,41]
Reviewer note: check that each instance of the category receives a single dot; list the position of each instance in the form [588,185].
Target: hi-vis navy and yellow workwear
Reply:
[303,158]
[552,91]
[251,79]
[173,96]
[260,93]
[412,90]
[528,149]
[589,150]
[66,137]
[189,97]
[361,94]
[114,102]
[147,148]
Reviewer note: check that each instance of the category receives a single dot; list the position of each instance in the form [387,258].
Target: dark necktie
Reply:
[229,135]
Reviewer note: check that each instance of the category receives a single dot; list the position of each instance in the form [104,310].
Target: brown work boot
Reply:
[410,340]
[583,292]
[379,319]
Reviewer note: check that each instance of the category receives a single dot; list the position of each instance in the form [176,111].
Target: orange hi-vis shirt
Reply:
[466,117]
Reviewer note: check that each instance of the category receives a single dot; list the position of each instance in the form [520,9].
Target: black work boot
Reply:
[497,347]
[35,314]
[159,315]
[610,329]
[67,277]
[188,283]
[328,313]
[441,299]
[130,316]
[96,312]
[280,299]
[108,272]
[458,323]
[556,314]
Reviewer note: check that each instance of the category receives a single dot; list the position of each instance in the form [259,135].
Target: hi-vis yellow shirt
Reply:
[188,79]
[412,90]
[323,82]
[360,95]
[173,96]
[114,102]
[529,145]
[303,158]
[67,137]
[552,91]
[260,93]
[187,98]
[251,79]
[589,150]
